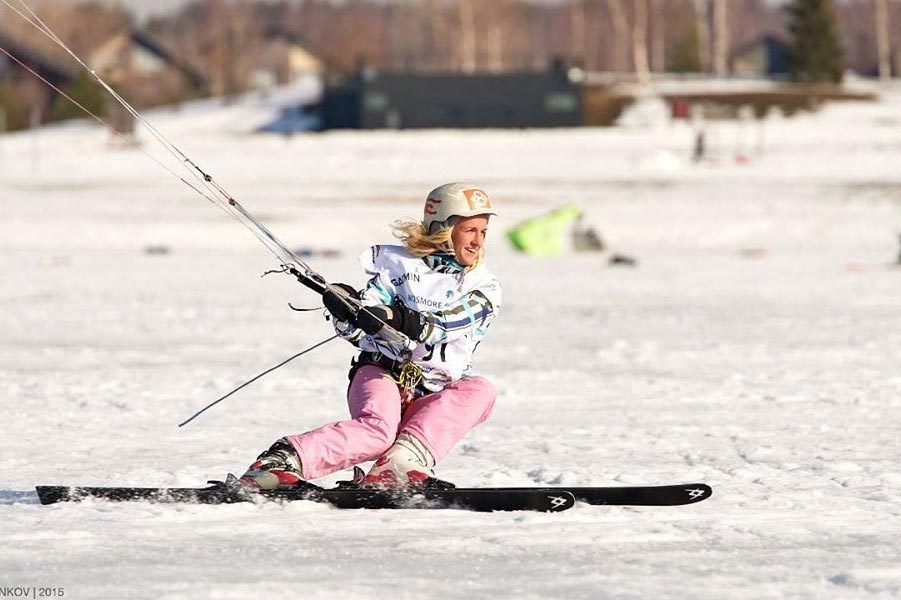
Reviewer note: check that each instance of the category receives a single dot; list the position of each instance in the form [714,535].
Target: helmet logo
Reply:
[430,206]
[477,199]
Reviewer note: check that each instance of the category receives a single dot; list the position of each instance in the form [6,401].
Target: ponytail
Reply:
[417,239]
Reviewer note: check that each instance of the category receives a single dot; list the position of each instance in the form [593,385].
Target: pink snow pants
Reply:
[438,420]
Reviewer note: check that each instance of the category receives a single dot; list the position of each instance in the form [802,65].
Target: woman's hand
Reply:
[372,319]
[336,301]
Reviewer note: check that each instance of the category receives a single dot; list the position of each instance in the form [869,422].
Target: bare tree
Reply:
[594,26]
[640,42]
[495,27]
[467,50]
[620,33]
[577,28]
[640,36]
[82,26]
[658,36]
[702,32]
[883,44]
[433,33]
[721,38]
[536,51]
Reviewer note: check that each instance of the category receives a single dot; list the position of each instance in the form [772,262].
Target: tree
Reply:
[658,36]
[721,38]
[639,42]
[12,117]
[816,53]
[83,90]
[882,40]
[685,57]
[577,30]
[620,34]
[702,32]
[467,35]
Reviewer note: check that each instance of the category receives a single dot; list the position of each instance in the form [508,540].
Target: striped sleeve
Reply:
[471,313]
[375,293]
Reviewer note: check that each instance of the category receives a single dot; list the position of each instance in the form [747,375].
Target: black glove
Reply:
[372,319]
[334,300]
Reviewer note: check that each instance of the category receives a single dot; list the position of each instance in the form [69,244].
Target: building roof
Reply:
[45,66]
[106,52]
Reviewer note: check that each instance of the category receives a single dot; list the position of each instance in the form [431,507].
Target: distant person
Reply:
[621,260]
[405,414]
[586,237]
[700,147]
[699,125]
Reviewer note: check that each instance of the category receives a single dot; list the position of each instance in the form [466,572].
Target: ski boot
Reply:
[277,468]
[407,463]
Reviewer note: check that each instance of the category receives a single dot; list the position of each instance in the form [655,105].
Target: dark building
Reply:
[24,99]
[373,100]
[766,56]
[148,72]
[11,71]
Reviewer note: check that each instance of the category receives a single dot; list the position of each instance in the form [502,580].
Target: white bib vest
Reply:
[396,273]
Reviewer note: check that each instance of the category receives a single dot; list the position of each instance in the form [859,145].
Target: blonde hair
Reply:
[417,239]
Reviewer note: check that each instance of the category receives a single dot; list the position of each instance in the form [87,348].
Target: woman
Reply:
[409,405]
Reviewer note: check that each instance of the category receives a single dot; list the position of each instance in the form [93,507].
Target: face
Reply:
[468,237]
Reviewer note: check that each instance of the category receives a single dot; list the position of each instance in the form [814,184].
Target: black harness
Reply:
[393,366]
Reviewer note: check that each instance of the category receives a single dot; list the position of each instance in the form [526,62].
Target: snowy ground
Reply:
[755,348]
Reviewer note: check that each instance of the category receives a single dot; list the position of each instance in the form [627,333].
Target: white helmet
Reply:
[448,203]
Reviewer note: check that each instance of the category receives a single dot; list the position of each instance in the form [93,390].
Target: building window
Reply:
[375,101]
[561,102]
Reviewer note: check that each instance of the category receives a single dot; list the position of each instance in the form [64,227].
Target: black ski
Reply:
[547,499]
[476,499]
[656,495]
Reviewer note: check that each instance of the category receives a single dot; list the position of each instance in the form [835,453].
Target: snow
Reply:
[754,348]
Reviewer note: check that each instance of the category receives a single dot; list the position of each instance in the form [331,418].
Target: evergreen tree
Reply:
[685,58]
[13,114]
[86,92]
[816,53]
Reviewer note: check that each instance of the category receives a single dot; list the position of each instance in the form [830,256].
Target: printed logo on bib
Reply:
[413,298]
[398,281]
[476,199]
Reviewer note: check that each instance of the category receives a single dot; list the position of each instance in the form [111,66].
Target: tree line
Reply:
[637,38]
[628,36]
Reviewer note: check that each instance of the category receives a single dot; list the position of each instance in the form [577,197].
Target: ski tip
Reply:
[51,494]
[696,492]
